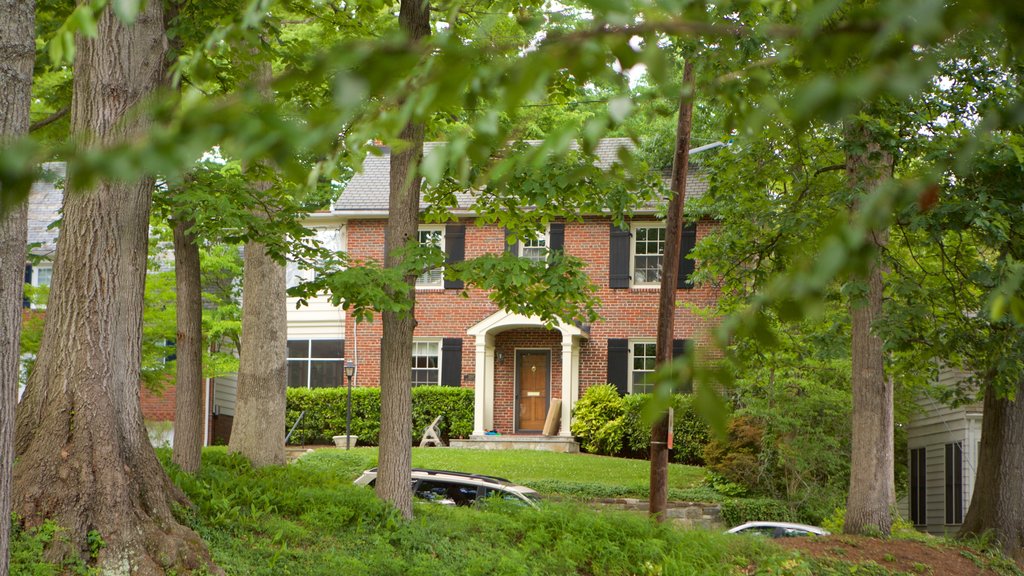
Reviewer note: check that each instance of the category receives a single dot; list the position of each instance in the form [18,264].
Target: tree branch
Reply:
[50,120]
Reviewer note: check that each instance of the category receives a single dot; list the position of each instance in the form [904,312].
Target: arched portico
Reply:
[485,333]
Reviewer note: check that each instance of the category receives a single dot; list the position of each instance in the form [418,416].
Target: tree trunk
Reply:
[395,458]
[84,458]
[872,482]
[17,52]
[257,431]
[669,284]
[997,503]
[188,408]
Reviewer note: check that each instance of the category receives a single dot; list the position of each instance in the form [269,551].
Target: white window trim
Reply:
[546,236]
[439,285]
[310,359]
[35,281]
[632,256]
[440,357]
[632,342]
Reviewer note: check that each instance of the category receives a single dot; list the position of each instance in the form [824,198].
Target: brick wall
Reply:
[626,313]
[158,406]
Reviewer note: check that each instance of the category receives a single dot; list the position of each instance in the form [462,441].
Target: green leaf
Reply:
[127,10]
[84,21]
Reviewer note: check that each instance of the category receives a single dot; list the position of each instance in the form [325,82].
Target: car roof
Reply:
[422,473]
[789,525]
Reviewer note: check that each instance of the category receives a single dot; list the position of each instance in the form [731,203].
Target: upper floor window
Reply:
[648,250]
[426,362]
[329,238]
[643,360]
[431,236]
[315,363]
[535,249]
[635,255]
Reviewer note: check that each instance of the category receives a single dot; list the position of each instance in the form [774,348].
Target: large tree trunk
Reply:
[188,408]
[997,504]
[395,458]
[669,284]
[872,482]
[17,51]
[84,458]
[257,431]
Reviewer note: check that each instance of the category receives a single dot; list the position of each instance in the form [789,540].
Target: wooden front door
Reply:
[533,385]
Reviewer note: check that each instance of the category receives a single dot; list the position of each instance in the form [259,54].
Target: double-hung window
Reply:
[535,249]
[426,362]
[431,236]
[635,256]
[648,251]
[642,360]
[315,363]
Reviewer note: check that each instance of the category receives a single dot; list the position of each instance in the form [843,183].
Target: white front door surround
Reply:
[501,321]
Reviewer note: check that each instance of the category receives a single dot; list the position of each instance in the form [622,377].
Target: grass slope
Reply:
[308,519]
[582,476]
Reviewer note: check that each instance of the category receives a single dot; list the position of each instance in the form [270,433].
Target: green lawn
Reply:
[566,475]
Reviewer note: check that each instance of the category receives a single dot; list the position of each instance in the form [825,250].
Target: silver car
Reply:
[459,488]
[778,529]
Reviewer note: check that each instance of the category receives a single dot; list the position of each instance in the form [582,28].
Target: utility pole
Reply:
[669,284]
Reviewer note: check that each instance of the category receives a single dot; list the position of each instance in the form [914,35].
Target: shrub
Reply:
[326,409]
[739,510]
[737,459]
[599,405]
[607,423]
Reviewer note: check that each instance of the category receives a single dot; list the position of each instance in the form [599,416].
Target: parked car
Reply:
[459,488]
[778,529]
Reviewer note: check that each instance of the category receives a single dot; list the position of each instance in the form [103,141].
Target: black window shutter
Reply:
[618,364]
[510,246]
[686,264]
[618,258]
[455,246]
[25,302]
[451,361]
[556,236]
[679,347]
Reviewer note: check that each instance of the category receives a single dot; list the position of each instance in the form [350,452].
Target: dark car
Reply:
[459,488]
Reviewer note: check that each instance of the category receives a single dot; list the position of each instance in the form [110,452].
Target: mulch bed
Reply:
[935,559]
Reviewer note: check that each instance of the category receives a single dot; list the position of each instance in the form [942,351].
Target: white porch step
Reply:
[510,442]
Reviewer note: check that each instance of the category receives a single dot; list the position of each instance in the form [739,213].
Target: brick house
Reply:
[514,363]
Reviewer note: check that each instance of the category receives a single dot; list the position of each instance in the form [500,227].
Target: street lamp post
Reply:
[350,371]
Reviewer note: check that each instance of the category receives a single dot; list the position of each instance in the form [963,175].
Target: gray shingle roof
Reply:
[44,203]
[368,189]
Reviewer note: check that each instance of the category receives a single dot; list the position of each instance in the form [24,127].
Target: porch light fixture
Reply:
[350,371]
[500,357]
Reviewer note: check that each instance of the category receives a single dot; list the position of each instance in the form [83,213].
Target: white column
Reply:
[567,382]
[489,382]
[479,389]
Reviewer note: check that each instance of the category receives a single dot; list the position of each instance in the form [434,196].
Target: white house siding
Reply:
[225,389]
[319,320]
[933,428]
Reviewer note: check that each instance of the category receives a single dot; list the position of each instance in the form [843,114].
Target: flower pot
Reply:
[339,441]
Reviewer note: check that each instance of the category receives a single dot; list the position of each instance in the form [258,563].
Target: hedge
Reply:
[613,425]
[325,413]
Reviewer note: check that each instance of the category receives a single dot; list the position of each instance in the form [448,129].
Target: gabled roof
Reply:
[44,203]
[367,191]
